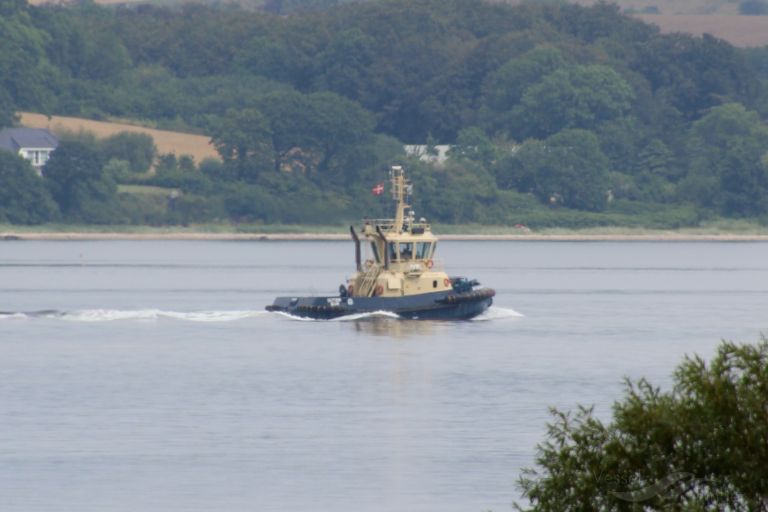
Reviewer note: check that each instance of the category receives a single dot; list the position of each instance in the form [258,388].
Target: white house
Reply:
[34,144]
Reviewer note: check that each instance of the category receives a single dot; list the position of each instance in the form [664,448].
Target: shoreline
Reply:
[523,237]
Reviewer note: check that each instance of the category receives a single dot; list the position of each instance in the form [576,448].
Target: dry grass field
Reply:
[198,146]
[744,31]
[719,18]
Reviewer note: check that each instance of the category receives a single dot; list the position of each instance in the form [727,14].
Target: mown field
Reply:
[198,146]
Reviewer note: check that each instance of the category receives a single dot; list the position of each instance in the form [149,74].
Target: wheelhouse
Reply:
[400,252]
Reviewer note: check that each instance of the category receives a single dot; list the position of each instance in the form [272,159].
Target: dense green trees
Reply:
[692,75]
[431,67]
[568,168]
[74,175]
[701,446]
[319,132]
[503,89]
[579,97]
[538,95]
[729,167]
[137,149]
[288,6]
[244,141]
[579,106]
[25,72]
[24,198]
[7,109]
[423,70]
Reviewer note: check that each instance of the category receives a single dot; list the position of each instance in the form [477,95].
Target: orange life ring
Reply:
[447,282]
[379,290]
[430,263]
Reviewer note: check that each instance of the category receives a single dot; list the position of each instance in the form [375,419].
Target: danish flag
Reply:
[378,189]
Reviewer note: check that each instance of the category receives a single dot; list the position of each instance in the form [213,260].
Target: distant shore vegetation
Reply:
[557,115]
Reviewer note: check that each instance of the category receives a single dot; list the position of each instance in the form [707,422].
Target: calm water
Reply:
[144,376]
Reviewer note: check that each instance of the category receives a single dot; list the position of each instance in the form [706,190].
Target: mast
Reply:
[400,190]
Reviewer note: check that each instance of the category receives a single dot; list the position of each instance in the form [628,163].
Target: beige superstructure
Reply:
[400,260]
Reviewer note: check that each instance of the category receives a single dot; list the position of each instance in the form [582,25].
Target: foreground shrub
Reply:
[701,446]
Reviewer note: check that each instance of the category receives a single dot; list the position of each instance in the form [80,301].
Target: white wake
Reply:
[112,315]
[493,313]
[345,318]
[497,313]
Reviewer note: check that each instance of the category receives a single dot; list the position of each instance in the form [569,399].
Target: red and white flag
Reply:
[378,189]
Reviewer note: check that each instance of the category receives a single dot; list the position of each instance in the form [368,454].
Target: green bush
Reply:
[191,209]
[701,446]
[145,209]
[24,198]
[138,149]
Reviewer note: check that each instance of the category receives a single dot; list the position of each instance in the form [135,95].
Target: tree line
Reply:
[557,113]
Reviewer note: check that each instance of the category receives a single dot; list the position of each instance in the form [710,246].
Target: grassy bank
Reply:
[725,229]
[158,230]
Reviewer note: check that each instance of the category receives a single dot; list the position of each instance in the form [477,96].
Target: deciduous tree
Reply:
[75,178]
[138,149]
[244,141]
[23,196]
[703,445]
[576,97]
[568,168]
[728,170]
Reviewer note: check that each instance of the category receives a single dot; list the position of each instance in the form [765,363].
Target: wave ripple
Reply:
[111,315]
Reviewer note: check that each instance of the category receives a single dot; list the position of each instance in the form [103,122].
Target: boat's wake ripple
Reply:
[493,313]
[497,313]
[345,318]
[110,315]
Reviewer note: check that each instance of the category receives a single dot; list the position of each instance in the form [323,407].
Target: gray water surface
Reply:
[145,376]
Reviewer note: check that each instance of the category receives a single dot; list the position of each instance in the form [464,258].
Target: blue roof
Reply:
[16,138]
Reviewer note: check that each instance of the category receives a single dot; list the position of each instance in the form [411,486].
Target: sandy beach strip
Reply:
[526,237]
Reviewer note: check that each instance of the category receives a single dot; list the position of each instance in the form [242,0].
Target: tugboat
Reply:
[401,276]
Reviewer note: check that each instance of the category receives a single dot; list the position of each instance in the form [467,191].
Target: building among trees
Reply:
[34,144]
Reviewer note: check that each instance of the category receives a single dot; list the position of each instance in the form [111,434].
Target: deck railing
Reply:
[387,225]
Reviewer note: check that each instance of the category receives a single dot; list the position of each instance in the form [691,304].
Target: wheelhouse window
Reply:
[406,251]
[423,250]
[391,247]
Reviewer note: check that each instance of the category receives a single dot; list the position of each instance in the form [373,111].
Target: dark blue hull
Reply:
[446,305]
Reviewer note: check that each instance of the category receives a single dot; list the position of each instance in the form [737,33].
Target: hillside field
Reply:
[198,146]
